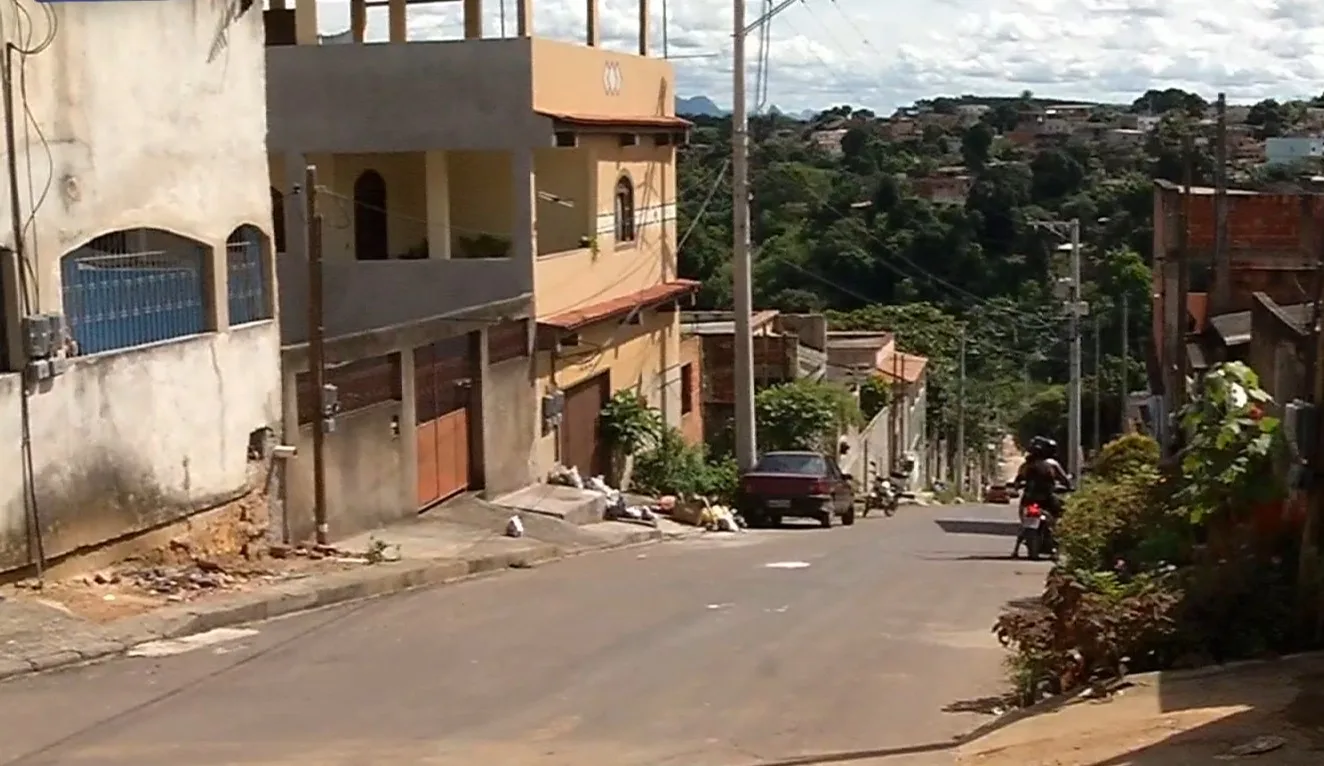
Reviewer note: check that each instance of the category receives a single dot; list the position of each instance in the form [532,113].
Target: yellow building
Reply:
[498,229]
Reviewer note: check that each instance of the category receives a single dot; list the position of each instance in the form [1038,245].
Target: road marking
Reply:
[172,646]
[787,565]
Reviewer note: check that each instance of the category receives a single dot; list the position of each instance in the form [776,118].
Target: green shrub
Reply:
[1126,455]
[1107,520]
[628,424]
[804,414]
[875,393]
[673,467]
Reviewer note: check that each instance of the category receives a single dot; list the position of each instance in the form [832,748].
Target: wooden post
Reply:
[316,351]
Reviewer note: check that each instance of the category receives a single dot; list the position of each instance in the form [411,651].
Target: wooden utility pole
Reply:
[316,350]
[1097,441]
[1222,252]
[1183,273]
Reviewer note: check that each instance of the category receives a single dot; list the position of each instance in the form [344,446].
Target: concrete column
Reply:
[524,17]
[305,22]
[473,19]
[437,180]
[219,265]
[358,19]
[643,27]
[398,19]
[524,209]
[594,33]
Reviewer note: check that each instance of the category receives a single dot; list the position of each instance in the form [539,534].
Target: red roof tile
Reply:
[582,316]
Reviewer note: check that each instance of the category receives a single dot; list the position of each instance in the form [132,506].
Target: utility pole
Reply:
[1097,441]
[316,350]
[746,435]
[1075,307]
[746,444]
[1222,252]
[1183,281]
[960,421]
[1126,364]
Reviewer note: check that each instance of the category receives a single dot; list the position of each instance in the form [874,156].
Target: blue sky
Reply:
[884,53]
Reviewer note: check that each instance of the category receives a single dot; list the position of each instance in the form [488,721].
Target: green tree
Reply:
[976,143]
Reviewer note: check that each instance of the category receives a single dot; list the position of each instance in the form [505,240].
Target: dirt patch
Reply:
[1174,723]
[180,575]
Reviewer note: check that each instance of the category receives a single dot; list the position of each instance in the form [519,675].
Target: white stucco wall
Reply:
[142,128]
[126,441]
[154,116]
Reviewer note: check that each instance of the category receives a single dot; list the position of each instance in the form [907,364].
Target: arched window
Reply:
[370,239]
[278,219]
[624,210]
[247,283]
[133,287]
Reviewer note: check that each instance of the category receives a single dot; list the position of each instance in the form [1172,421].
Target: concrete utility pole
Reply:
[960,421]
[746,436]
[1126,363]
[1075,307]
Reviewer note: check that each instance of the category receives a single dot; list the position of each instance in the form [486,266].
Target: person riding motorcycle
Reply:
[1038,479]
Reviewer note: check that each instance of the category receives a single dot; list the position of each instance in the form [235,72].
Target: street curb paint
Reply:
[372,581]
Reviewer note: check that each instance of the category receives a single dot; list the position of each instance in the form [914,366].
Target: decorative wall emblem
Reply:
[612,80]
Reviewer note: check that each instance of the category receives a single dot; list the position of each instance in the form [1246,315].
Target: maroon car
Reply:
[803,485]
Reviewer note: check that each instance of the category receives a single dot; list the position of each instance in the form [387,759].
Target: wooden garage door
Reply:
[581,446]
[443,391]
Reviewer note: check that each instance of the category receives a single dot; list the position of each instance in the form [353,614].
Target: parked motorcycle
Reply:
[882,493]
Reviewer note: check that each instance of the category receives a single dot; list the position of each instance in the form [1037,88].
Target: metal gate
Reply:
[581,444]
[443,390]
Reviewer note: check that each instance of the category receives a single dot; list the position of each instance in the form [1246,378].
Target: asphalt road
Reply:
[692,653]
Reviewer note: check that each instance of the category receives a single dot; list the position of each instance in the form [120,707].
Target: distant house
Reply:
[1289,150]
[943,189]
[828,140]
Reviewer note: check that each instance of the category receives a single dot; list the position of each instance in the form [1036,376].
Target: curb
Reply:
[1053,704]
[177,621]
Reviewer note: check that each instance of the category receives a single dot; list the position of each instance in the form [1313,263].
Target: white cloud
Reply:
[885,53]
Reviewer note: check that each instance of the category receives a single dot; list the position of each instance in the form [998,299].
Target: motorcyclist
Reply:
[1039,478]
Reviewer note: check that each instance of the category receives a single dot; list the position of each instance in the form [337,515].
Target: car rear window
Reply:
[809,465]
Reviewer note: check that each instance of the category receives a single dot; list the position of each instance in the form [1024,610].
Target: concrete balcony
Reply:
[476,94]
[366,296]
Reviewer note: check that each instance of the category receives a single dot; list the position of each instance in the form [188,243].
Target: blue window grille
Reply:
[249,291]
[134,287]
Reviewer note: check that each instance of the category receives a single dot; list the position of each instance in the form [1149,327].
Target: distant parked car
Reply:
[997,493]
[803,485]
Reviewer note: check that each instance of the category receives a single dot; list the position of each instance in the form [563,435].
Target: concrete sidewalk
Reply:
[105,614]
[1177,719]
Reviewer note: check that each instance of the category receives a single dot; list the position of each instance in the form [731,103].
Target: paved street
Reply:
[693,653]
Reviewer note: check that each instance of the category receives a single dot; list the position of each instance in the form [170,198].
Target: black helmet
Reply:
[1043,447]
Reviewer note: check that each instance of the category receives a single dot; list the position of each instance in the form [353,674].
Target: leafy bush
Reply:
[1106,520]
[1126,455]
[1228,461]
[628,424]
[875,393]
[804,414]
[673,467]
[1088,627]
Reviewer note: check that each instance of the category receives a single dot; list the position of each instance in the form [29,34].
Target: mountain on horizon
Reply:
[699,106]
[702,106]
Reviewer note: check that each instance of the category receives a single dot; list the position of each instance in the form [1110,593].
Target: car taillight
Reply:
[820,487]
